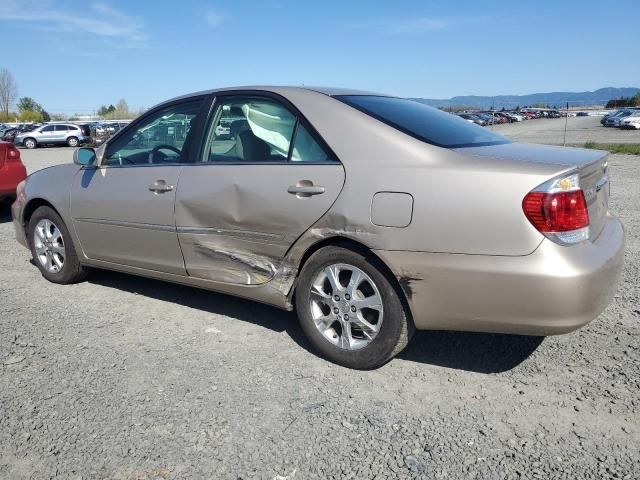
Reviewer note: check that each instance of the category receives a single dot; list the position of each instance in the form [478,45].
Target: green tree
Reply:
[30,116]
[28,104]
[8,117]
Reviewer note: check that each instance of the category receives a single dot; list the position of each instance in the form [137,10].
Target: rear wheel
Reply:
[30,143]
[72,141]
[52,248]
[349,309]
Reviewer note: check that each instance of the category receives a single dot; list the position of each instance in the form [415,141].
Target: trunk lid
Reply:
[592,166]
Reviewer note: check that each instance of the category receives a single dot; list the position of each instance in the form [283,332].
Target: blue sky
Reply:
[73,56]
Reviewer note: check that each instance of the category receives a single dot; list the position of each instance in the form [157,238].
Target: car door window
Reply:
[307,149]
[159,138]
[61,128]
[249,130]
[49,128]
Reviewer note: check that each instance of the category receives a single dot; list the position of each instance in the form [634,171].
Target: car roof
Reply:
[282,90]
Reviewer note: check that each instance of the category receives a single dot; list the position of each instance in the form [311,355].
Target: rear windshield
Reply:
[423,122]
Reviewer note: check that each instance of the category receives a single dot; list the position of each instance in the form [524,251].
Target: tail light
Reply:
[558,210]
[8,153]
[12,154]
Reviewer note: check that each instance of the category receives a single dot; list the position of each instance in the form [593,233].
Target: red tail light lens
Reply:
[13,153]
[556,212]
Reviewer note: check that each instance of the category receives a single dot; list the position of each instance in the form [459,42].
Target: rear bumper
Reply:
[554,290]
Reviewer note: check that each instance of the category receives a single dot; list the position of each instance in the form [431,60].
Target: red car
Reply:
[12,170]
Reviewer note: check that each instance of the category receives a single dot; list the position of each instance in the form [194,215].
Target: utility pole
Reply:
[566,119]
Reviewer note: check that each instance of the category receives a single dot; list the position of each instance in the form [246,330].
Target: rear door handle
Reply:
[160,186]
[305,189]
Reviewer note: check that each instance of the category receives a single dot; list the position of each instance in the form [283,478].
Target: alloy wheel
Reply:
[346,306]
[49,245]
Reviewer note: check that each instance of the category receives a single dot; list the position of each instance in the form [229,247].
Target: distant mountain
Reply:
[559,99]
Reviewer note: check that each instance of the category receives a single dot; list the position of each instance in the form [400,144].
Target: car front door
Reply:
[59,133]
[123,210]
[255,188]
[46,134]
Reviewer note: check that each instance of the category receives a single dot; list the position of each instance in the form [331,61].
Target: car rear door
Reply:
[123,211]
[247,199]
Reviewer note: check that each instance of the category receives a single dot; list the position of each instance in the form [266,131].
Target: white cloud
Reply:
[101,20]
[213,18]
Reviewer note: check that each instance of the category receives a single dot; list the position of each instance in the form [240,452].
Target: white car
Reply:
[632,121]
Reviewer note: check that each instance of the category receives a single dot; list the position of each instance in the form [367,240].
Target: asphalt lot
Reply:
[128,378]
[579,131]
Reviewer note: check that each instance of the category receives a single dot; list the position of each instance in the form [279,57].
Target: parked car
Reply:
[53,134]
[632,121]
[470,117]
[370,215]
[12,170]
[9,135]
[28,127]
[85,128]
[614,119]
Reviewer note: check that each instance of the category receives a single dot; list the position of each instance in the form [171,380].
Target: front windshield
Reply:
[423,122]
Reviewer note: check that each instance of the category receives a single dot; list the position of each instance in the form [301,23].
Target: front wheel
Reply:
[52,248]
[349,309]
[30,143]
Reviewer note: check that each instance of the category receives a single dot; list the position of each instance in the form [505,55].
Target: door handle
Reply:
[305,188]
[160,186]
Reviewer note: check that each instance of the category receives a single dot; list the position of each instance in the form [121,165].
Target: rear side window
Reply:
[423,122]
[62,128]
[260,130]
[307,149]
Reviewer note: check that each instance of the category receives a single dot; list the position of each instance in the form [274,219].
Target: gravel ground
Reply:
[127,378]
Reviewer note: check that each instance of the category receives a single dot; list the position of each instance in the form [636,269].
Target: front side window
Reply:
[48,128]
[423,122]
[159,138]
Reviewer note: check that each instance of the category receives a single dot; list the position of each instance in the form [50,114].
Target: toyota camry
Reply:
[368,214]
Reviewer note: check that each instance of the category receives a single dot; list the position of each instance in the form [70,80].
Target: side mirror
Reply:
[84,156]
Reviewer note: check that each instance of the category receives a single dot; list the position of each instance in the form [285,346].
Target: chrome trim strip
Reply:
[116,223]
[231,233]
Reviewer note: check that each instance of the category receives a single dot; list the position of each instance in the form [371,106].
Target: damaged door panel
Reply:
[236,222]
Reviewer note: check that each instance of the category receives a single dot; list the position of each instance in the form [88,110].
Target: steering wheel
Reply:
[157,148]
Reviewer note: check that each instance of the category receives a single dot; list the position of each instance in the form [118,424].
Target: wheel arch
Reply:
[31,206]
[356,246]
[24,140]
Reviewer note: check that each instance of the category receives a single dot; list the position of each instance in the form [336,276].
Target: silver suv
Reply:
[57,134]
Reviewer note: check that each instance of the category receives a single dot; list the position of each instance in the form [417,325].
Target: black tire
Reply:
[71,271]
[30,143]
[73,142]
[395,330]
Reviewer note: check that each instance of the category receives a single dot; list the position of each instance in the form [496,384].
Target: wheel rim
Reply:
[346,306]
[30,143]
[73,142]
[49,245]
